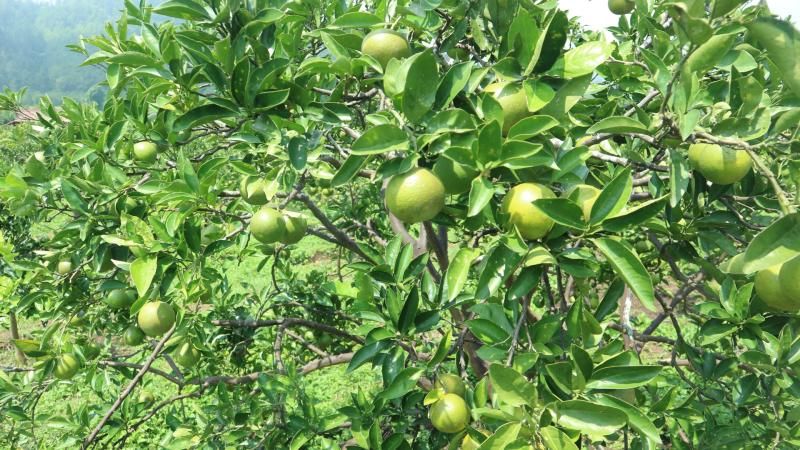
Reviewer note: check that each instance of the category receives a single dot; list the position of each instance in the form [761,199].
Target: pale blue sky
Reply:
[594,13]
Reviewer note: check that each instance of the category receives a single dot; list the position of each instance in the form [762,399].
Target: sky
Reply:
[595,14]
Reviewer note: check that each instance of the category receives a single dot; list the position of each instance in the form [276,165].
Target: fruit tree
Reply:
[482,225]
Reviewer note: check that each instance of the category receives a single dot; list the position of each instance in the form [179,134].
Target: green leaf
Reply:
[487,331]
[187,173]
[635,216]
[556,439]
[419,92]
[366,353]
[348,170]
[776,244]
[452,83]
[502,438]
[458,271]
[143,269]
[402,383]
[613,197]
[622,377]
[714,330]
[511,387]
[637,420]
[442,349]
[356,19]
[538,94]
[380,139]
[710,52]
[480,194]
[782,42]
[202,115]
[531,126]
[629,268]
[618,125]
[563,211]
[567,97]
[582,60]
[182,9]
[298,152]
[592,419]
[73,197]
[499,265]
[679,177]
[409,311]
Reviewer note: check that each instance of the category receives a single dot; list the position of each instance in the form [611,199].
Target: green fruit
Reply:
[768,288]
[67,366]
[451,384]
[512,100]
[187,355]
[531,222]
[118,299]
[64,267]
[252,190]
[145,152]
[296,227]
[720,165]
[268,226]
[789,279]
[450,414]
[620,7]
[456,178]
[415,196]
[133,336]
[156,318]
[146,397]
[385,45]
[584,196]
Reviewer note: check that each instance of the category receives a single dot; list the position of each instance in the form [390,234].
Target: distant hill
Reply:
[33,36]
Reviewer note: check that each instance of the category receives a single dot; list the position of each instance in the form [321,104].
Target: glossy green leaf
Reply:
[563,211]
[419,91]
[629,268]
[452,83]
[618,125]
[202,115]
[458,271]
[637,420]
[613,197]
[590,418]
[556,439]
[782,42]
[182,9]
[776,244]
[380,139]
[402,384]
[510,387]
[480,194]
[622,377]
[143,270]
[531,126]
[502,438]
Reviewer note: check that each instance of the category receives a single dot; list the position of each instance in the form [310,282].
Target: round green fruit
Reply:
[789,279]
[451,384]
[67,366]
[768,288]
[456,178]
[620,7]
[118,299]
[133,336]
[450,414]
[187,355]
[415,196]
[146,397]
[584,196]
[156,318]
[64,267]
[512,100]
[531,222]
[720,165]
[296,227]
[145,152]
[385,45]
[252,190]
[268,226]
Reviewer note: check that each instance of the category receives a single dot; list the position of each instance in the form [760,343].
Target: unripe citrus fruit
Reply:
[133,336]
[187,355]
[64,267]
[584,196]
[145,152]
[531,222]
[415,196]
[720,165]
[513,100]
[118,299]
[456,178]
[146,397]
[450,414]
[252,190]
[156,318]
[267,225]
[620,7]
[789,278]
[296,227]
[451,384]
[768,288]
[384,45]
[67,366]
